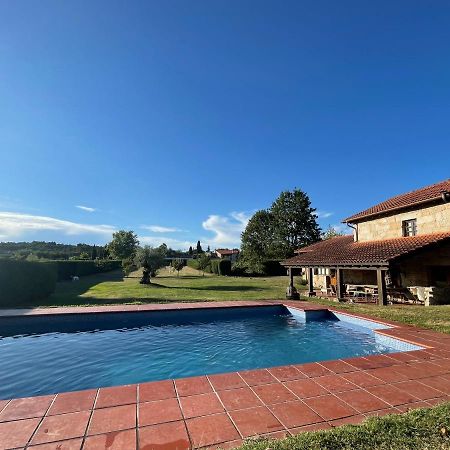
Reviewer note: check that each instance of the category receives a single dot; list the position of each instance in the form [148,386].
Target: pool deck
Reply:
[220,411]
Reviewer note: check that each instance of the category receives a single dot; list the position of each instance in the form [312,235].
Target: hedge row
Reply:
[68,269]
[216,266]
[24,282]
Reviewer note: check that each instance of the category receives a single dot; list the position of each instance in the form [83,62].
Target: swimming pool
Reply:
[42,355]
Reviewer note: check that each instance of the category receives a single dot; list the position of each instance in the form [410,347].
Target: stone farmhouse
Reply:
[399,251]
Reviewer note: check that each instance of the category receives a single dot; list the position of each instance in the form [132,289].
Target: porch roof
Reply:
[343,251]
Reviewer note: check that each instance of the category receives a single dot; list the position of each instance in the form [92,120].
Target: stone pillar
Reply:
[339,284]
[291,292]
[311,292]
[382,294]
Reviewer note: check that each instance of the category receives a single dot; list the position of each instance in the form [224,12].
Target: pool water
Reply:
[42,355]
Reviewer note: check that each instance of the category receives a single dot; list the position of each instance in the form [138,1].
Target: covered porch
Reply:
[351,283]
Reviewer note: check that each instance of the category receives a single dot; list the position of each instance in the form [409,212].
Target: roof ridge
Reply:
[411,198]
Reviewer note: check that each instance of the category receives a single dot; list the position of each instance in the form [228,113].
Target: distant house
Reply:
[399,251]
[226,253]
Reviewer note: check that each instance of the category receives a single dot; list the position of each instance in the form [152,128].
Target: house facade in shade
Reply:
[399,250]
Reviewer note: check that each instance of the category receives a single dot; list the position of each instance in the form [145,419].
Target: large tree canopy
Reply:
[123,245]
[275,233]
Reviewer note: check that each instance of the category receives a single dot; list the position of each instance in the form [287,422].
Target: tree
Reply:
[191,251]
[123,245]
[208,249]
[84,255]
[177,264]
[295,224]
[257,242]
[199,248]
[150,259]
[203,261]
[94,252]
[275,233]
[330,233]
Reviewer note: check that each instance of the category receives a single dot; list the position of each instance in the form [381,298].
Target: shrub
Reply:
[273,268]
[224,267]
[24,282]
[67,269]
[192,263]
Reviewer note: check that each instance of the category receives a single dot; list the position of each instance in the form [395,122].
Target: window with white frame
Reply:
[409,227]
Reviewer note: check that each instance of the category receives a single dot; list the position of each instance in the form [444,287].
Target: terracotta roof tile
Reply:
[343,250]
[428,193]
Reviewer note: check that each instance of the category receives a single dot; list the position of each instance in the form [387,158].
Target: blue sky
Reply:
[179,119]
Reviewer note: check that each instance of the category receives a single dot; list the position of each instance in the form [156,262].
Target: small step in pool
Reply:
[57,353]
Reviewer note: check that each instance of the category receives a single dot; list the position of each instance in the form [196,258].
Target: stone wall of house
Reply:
[433,219]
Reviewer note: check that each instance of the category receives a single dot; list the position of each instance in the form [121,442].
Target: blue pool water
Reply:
[42,355]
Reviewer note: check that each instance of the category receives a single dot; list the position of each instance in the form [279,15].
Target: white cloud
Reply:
[227,229]
[323,214]
[160,229]
[14,225]
[85,208]
[156,241]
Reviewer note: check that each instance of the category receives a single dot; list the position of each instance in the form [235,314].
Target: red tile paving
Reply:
[273,393]
[192,386]
[210,430]
[116,440]
[335,383]
[113,419]
[392,395]
[363,401]
[26,408]
[166,436]
[387,374]
[61,427]
[73,402]
[115,396]
[294,414]
[71,444]
[305,388]
[338,366]
[256,377]
[240,398]
[254,421]
[286,373]
[362,379]
[419,390]
[224,381]
[330,407]
[157,390]
[313,369]
[201,405]
[219,411]
[161,411]
[17,433]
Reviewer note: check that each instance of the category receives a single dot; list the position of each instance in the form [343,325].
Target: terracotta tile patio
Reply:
[223,410]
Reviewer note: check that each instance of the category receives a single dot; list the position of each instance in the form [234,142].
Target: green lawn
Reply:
[421,429]
[113,288]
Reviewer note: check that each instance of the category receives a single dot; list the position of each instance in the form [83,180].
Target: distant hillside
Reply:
[48,250]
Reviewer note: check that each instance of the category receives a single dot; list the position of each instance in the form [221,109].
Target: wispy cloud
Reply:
[14,225]
[160,229]
[85,208]
[227,229]
[323,214]
[156,241]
